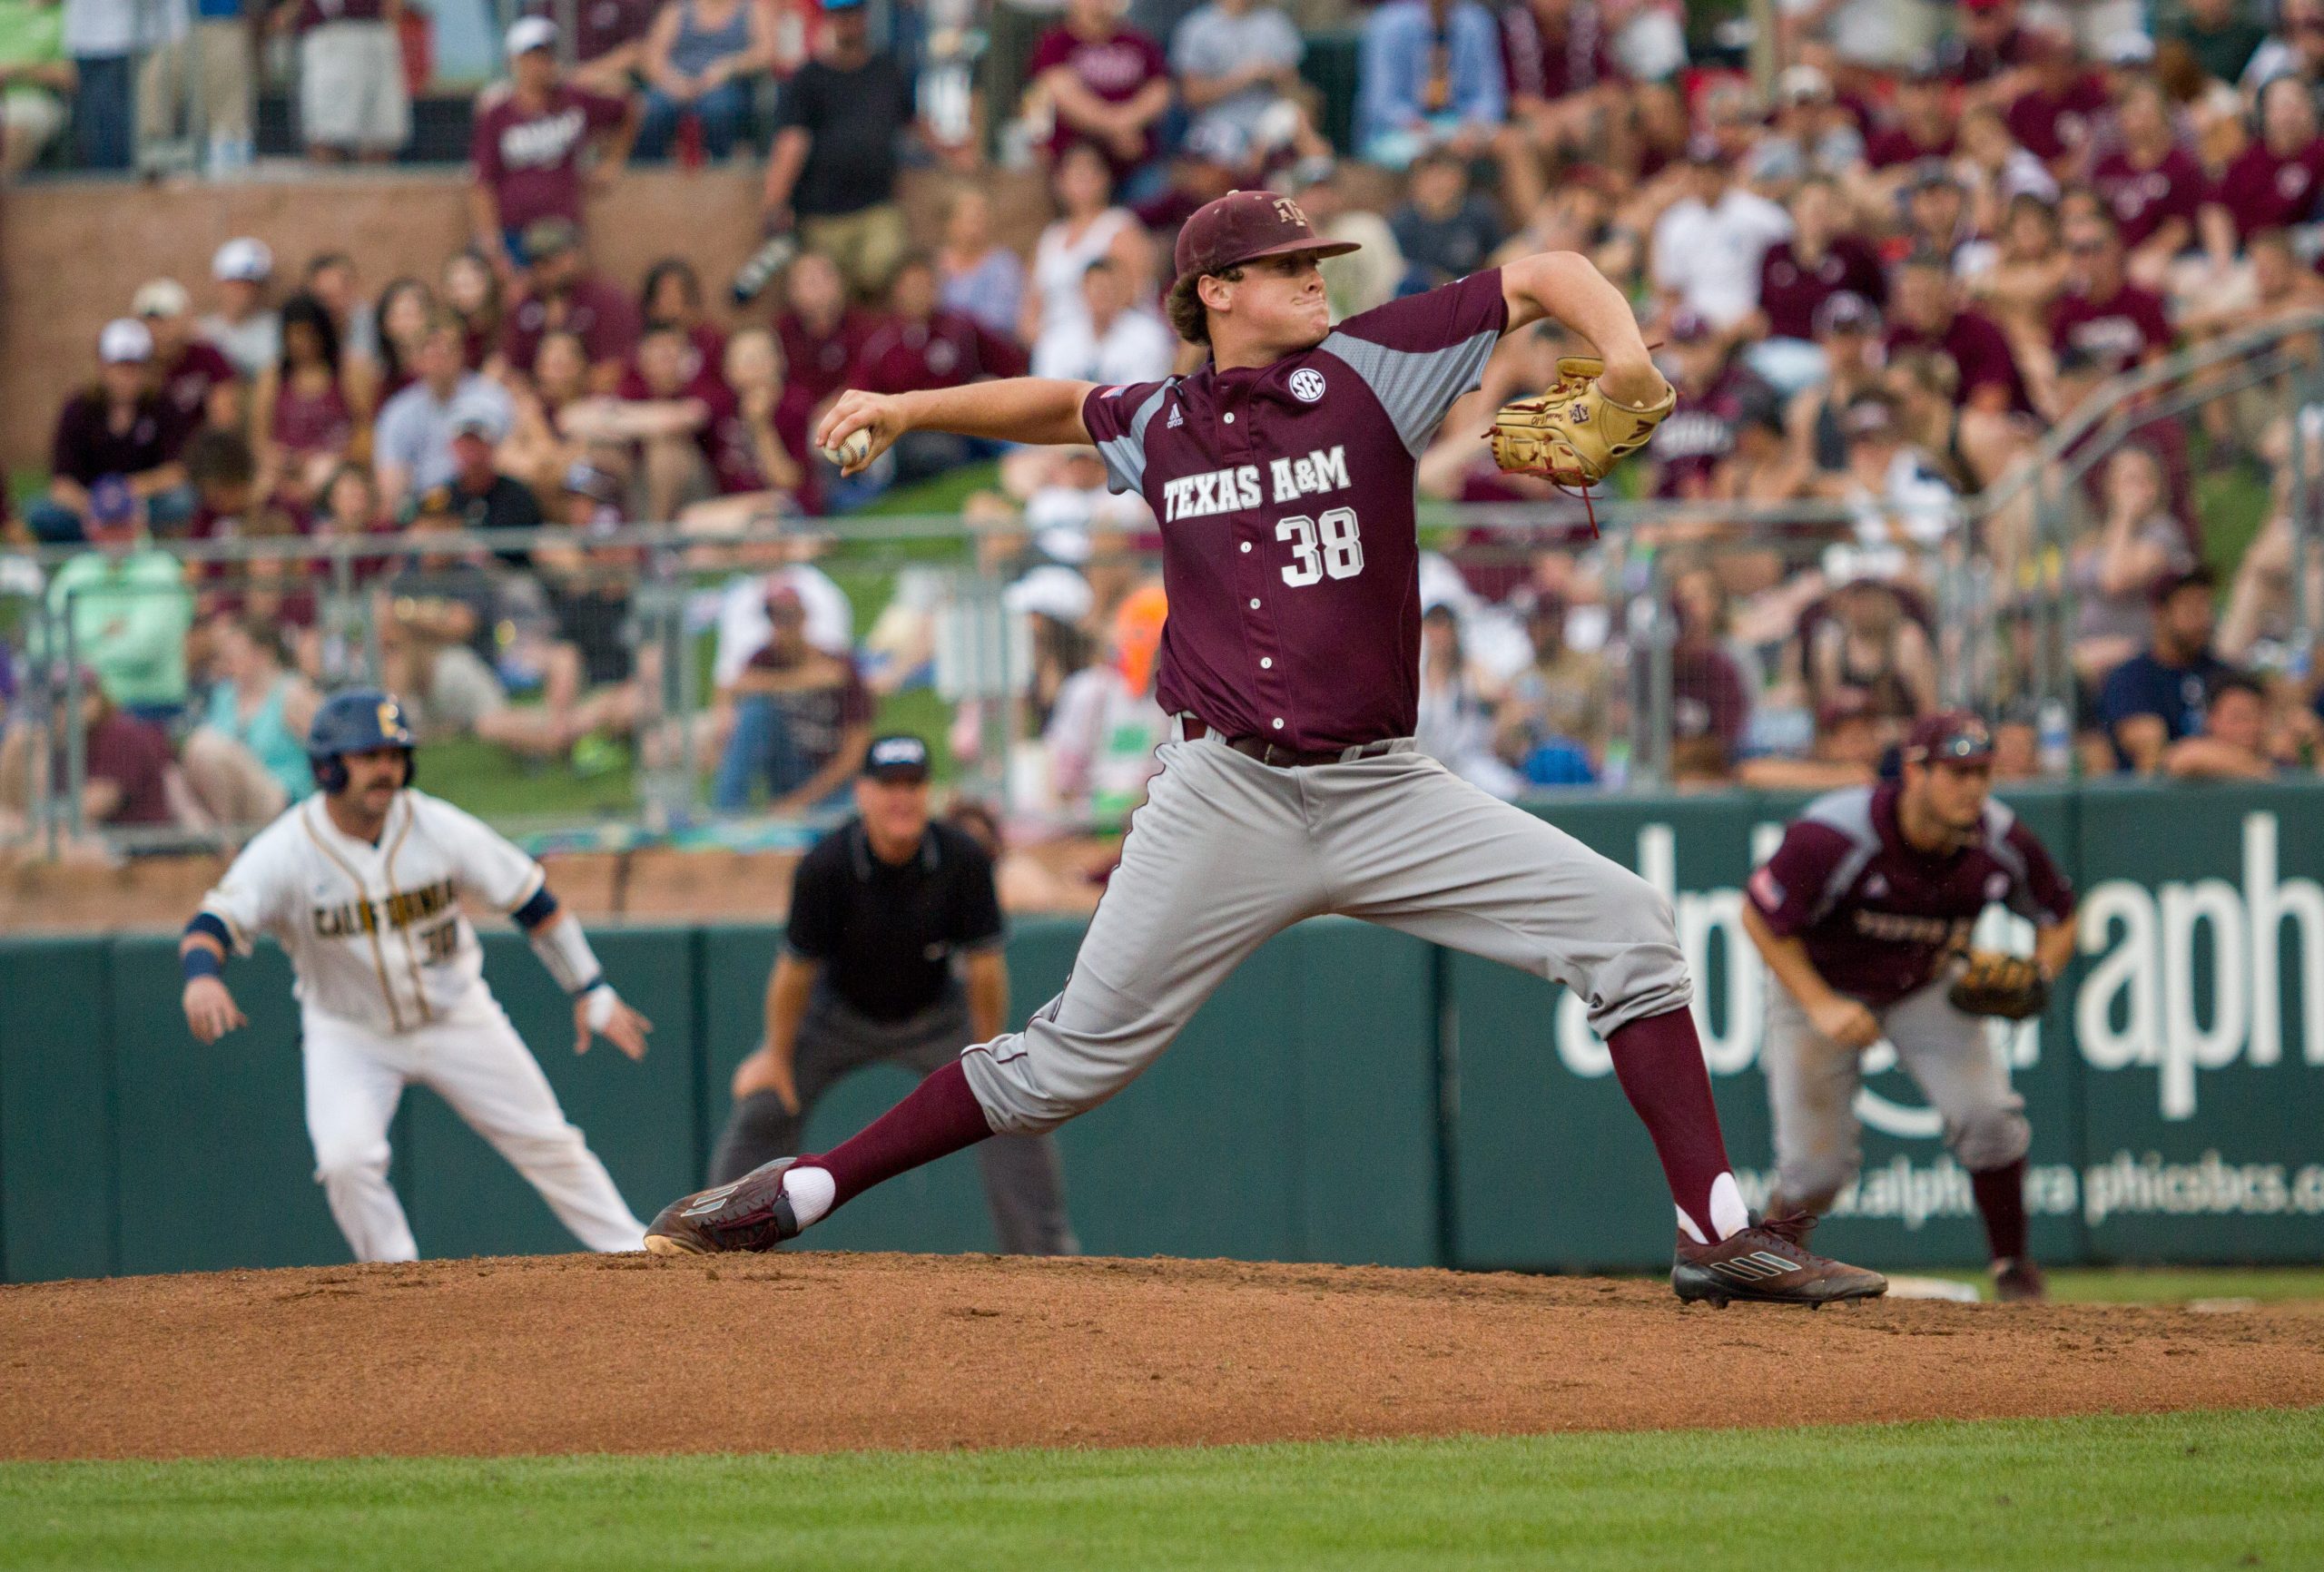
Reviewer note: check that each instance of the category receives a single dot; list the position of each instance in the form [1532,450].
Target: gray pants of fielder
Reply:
[1024,1182]
[1228,851]
[1812,1084]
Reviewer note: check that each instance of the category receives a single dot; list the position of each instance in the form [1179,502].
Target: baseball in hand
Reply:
[852,450]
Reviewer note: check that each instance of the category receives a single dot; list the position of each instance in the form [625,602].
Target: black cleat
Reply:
[750,1214]
[1768,1263]
[2018,1281]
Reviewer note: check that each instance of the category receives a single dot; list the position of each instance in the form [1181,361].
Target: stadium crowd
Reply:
[1876,284]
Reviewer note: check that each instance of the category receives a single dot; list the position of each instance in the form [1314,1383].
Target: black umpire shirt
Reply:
[886,935]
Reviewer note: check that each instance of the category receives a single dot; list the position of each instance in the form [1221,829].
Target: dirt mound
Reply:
[813,1353]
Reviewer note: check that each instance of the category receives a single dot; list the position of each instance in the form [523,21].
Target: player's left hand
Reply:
[626,1028]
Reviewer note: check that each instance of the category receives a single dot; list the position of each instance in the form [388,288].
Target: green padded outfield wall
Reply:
[1313,1107]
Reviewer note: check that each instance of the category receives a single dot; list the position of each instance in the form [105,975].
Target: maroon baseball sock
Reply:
[2001,1199]
[1659,1062]
[938,1117]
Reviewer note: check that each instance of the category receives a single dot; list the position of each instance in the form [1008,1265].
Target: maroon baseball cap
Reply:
[1245,225]
[1950,737]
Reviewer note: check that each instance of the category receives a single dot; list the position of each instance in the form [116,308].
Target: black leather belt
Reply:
[1272,753]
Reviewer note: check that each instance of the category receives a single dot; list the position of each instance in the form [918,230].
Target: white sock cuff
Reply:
[811,1192]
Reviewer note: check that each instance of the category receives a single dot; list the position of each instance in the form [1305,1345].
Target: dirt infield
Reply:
[813,1353]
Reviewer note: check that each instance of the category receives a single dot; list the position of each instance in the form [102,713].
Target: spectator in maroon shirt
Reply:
[561,295]
[1819,261]
[1709,705]
[1715,390]
[2103,313]
[129,778]
[667,407]
[2054,118]
[1920,124]
[608,40]
[919,346]
[1989,46]
[119,426]
[2153,185]
[758,455]
[1105,81]
[821,334]
[1567,91]
[2273,183]
[531,133]
[1991,390]
[199,383]
[672,296]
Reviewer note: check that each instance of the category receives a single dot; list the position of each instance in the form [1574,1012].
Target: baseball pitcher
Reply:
[362,883]
[1281,475]
[1864,916]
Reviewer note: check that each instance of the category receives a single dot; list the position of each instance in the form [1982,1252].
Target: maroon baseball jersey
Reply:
[532,158]
[2119,332]
[1790,290]
[2144,199]
[2049,125]
[1284,496]
[1876,916]
[2263,190]
[1980,352]
[944,351]
[603,317]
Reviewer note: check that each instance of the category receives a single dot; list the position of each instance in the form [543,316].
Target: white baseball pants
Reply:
[474,1061]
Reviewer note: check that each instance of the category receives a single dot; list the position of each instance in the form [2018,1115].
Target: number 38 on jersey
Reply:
[1332,545]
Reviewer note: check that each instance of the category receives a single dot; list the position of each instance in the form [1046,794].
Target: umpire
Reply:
[878,908]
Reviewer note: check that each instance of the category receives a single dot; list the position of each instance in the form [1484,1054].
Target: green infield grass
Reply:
[2169,1284]
[2177,1490]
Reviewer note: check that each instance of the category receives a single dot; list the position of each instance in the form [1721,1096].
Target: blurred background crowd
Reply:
[1891,252]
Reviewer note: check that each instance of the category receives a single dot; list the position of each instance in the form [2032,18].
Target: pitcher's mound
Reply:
[823,1351]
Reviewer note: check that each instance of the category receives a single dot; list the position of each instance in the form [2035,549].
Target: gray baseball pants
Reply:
[1812,1084]
[1228,851]
[1024,1181]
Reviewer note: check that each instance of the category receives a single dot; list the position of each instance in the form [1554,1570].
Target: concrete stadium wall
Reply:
[1350,1094]
[72,253]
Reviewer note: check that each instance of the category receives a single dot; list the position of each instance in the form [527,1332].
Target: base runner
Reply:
[1862,914]
[1282,478]
[363,883]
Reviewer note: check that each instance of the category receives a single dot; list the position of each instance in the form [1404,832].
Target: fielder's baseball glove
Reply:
[1574,434]
[1993,984]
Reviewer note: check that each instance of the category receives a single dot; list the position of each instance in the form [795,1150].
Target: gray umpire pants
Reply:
[1228,851]
[1812,1083]
[1024,1181]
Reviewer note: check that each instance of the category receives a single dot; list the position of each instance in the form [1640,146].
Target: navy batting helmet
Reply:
[355,722]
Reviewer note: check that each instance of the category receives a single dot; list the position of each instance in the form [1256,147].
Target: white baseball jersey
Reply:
[376,933]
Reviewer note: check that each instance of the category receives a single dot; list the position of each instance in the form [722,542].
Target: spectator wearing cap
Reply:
[1813,132]
[352,103]
[2274,182]
[701,58]
[119,428]
[128,607]
[194,374]
[1707,246]
[1103,81]
[560,294]
[412,443]
[245,327]
[36,79]
[1898,495]
[2102,313]
[1819,259]
[1444,229]
[1926,314]
[832,173]
[1920,124]
[482,497]
[1847,332]
[803,718]
[1429,75]
[1568,92]
[1237,63]
[1761,469]
[1714,387]
[2220,33]
[534,135]
[2158,696]
[1115,340]
[977,276]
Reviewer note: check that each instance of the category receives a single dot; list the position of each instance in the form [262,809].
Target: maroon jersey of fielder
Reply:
[1877,917]
[1284,497]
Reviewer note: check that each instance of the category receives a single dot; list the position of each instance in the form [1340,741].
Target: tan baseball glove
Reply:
[1996,984]
[1574,434]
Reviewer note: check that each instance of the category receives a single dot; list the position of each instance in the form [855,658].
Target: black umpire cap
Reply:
[899,756]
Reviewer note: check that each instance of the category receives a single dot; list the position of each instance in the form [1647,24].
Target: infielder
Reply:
[1281,475]
[881,908]
[362,883]
[1861,915]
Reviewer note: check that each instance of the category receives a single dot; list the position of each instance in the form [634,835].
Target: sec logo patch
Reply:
[1307,385]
